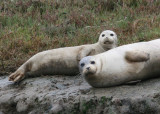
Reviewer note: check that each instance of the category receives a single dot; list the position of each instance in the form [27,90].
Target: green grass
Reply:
[31,26]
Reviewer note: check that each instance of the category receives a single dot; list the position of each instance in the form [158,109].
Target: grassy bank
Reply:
[31,26]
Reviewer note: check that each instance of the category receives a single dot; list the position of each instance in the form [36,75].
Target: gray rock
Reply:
[69,95]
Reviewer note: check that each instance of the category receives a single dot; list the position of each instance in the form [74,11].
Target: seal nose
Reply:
[108,40]
[88,68]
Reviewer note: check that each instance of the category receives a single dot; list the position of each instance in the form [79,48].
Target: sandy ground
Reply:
[66,94]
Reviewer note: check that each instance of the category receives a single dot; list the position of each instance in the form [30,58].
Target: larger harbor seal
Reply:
[63,61]
[123,64]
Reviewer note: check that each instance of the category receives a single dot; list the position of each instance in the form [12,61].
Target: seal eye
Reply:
[103,35]
[92,62]
[82,64]
[111,34]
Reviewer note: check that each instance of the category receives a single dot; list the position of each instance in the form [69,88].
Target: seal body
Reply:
[57,61]
[63,61]
[123,64]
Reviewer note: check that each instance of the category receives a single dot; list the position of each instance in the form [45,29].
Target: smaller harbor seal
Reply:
[63,61]
[137,61]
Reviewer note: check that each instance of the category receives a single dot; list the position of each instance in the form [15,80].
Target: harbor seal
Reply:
[137,61]
[63,61]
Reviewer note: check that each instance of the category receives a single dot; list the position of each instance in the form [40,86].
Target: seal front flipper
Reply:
[137,56]
[85,52]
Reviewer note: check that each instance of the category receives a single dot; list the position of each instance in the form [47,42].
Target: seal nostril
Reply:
[107,38]
[88,68]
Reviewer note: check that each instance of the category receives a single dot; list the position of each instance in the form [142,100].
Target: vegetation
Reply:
[31,26]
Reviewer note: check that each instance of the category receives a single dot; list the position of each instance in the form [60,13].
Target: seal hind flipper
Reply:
[85,52]
[16,76]
[137,56]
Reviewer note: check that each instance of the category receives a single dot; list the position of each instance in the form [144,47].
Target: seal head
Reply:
[87,65]
[108,39]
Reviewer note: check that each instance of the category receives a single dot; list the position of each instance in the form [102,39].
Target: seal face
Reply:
[108,38]
[123,64]
[87,65]
[63,61]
